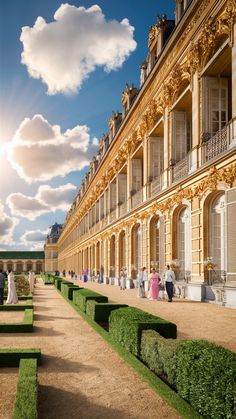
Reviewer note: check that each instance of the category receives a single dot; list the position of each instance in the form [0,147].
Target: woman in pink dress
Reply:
[154,284]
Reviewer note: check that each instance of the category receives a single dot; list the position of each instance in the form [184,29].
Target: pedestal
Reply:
[196,292]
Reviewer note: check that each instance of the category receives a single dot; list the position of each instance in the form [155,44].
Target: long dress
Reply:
[154,286]
[11,296]
[141,281]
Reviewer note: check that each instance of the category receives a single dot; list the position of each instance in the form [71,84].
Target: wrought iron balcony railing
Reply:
[154,186]
[219,143]
[137,198]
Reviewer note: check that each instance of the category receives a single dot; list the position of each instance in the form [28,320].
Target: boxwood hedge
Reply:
[206,378]
[11,357]
[81,297]
[100,312]
[26,396]
[126,325]
[67,290]
[160,355]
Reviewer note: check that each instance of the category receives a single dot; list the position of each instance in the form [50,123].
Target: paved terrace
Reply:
[195,320]
[81,376]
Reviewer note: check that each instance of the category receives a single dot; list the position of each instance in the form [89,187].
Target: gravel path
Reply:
[81,376]
[11,316]
[8,383]
[195,320]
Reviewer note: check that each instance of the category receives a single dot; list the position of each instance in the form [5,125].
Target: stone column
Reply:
[195,123]
[234,75]
[168,238]
[129,183]
[195,287]
[145,167]
[117,260]
[166,149]
[128,251]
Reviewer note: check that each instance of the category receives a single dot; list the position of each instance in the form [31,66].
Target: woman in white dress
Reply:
[11,296]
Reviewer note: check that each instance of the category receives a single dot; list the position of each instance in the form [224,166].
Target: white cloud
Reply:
[7,226]
[46,200]
[57,198]
[39,151]
[34,239]
[64,52]
[26,206]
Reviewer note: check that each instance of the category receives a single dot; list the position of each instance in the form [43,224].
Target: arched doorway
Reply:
[136,250]
[112,256]
[122,250]
[39,267]
[9,265]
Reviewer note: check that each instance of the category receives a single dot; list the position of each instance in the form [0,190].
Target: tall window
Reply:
[184,241]
[215,105]
[180,134]
[155,242]
[217,233]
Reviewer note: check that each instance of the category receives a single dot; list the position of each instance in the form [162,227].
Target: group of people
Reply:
[156,285]
[12,294]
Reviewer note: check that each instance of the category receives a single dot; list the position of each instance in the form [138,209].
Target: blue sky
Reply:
[32,193]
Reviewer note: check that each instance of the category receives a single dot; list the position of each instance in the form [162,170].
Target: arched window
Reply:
[184,242]
[217,232]
[39,267]
[136,251]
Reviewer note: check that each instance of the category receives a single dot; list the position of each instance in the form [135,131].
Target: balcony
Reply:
[113,215]
[181,168]
[219,143]
[137,198]
[123,209]
[154,186]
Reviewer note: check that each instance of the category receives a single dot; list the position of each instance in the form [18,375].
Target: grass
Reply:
[167,394]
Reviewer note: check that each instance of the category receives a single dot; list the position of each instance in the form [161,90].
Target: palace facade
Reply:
[162,188]
[22,261]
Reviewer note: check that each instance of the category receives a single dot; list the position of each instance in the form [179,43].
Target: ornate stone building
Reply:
[22,261]
[162,188]
[50,248]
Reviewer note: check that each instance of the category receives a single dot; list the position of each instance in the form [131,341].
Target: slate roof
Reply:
[20,255]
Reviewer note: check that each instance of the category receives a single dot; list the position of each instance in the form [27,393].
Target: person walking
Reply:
[123,276]
[142,277]
[169,280]
[154,281]
[2,285]
[31,279]
[11,296]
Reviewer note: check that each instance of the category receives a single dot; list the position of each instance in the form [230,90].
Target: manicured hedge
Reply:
[25,326]
[81,297]
[12,357]
[27,391]
[17,307]
[206,378]
[100,312]
[67,290]
[160,355]
[126,325]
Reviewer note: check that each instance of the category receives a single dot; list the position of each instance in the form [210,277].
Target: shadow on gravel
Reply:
[42,317]
[45,331]
[62,404]
[61,365]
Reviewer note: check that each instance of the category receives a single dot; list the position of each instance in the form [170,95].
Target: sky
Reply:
[63,67]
